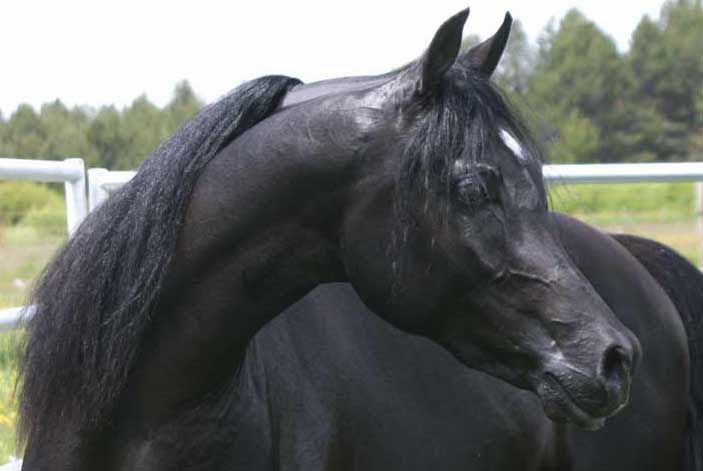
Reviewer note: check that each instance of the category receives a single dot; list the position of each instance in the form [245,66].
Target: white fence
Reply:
[624,173]
[70,172]
[101,182]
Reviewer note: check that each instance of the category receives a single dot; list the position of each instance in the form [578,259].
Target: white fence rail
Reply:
[70,172]
[624,173]
[102,182]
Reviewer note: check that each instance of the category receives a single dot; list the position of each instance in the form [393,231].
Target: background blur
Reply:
[625,86]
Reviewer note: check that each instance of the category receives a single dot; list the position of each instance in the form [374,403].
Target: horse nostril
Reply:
[616,364]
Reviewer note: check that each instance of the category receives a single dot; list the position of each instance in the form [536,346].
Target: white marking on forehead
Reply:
[513,145]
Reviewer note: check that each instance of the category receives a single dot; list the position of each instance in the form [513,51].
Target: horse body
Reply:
[330,386]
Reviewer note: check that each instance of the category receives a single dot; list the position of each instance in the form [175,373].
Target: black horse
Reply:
[409,185]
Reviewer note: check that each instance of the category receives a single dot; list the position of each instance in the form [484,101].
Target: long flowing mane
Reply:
[95,299]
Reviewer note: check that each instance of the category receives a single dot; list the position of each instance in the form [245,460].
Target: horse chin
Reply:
[560,407]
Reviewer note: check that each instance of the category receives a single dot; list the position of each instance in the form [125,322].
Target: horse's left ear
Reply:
[484,57]
[441,54]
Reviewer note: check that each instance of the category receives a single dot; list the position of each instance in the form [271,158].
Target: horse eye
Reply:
[470,190]
[476,189]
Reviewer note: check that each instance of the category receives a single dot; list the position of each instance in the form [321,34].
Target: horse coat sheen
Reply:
[403,185]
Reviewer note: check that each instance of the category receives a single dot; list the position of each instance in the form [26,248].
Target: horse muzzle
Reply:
[587,400]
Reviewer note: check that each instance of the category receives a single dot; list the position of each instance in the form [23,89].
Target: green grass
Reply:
[670,201]
[665,212]
[24,251]
[9,349]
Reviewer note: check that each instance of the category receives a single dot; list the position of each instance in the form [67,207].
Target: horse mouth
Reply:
[560,406]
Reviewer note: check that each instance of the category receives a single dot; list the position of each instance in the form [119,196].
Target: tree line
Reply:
[585,101]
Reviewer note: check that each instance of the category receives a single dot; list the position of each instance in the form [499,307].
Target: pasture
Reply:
[664,212]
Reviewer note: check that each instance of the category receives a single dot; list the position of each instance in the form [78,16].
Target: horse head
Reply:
[447,235]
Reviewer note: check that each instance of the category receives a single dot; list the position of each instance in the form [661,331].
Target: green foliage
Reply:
[575,86]
[183,105]
[109,138]
[696,138]
[142,127]
[664,74]
[49,220]
[19,198]
[10,343]
[578,141]
[8,414]
[517,63]
[105,135]
[24,135]
[598,105]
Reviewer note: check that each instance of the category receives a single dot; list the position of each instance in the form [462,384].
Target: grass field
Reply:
[664,212]
[8,407]
[24,251]
[660,211]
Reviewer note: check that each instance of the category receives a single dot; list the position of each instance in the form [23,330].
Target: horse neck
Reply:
[260,232]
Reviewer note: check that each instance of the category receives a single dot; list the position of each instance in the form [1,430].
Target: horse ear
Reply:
[442,53]
[484,57]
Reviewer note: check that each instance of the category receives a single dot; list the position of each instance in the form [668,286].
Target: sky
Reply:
[96,52]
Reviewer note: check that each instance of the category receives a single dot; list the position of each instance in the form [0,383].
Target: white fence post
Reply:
[96,193]
[76,200]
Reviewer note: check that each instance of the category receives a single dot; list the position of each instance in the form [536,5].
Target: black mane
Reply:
[95,299]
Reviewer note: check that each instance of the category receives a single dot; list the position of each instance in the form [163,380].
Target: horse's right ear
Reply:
[441,54]
[484,57]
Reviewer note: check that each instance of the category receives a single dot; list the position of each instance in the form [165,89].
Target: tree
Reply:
[64,132]
[182,106]
[664,75]
[143,128]
[4,147]
[107,137]
[696,139]
[517,63]
[578,68]
[24,133]
[578,140]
